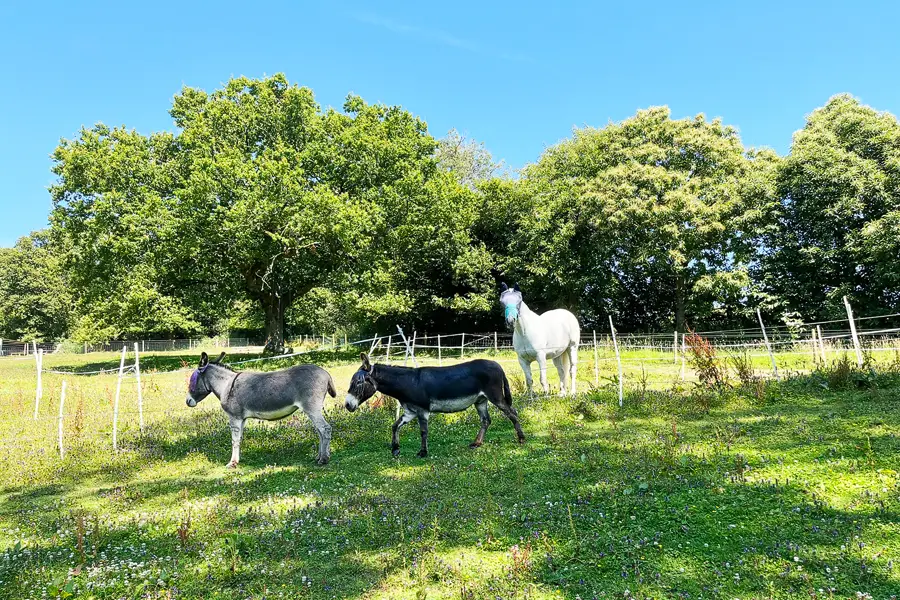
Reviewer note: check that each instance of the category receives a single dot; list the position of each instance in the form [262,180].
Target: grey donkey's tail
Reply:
[331,391]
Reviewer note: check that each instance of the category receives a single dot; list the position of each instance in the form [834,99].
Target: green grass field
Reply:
[767,490]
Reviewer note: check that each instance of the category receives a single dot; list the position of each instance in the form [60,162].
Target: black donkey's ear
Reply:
[366,365]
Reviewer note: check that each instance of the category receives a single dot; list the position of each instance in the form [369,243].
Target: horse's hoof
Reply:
[422,453]
[475,444]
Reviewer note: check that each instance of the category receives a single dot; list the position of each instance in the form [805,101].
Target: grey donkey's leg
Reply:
[323,429]
[237,432]
[423,429]
[482,408]
[405,418]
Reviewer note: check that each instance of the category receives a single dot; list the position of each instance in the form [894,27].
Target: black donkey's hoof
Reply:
[422,453]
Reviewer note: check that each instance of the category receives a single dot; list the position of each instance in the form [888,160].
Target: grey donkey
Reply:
[267,396]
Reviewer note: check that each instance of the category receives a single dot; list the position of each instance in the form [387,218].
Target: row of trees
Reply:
[265,212]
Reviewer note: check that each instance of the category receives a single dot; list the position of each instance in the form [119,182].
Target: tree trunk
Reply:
[274,308]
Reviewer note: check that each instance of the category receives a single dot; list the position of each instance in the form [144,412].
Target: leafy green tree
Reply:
[263,196]
[837,219]
[35,303]
[650,219]
[467,159]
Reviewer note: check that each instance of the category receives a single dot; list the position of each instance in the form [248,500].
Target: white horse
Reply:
[554,334]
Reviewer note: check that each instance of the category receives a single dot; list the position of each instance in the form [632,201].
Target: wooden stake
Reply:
[137,373]
[62,401]
[462,346]
[675,349]
[856,346]
[495,342]
[39,391]
[683,354]
[596,362]
[618,358]
[766,340]
[440,358]
[822,345]
[387,356]
[115,439]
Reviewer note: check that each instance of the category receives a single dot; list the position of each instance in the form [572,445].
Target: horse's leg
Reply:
[236,424]
[423,429]
[573,365]
[323,429]
[405,418]
[526,368]
[542,365]
[482,408]
[561,369]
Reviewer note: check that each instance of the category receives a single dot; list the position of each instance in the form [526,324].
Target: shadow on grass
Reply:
[174,362]
[580,509]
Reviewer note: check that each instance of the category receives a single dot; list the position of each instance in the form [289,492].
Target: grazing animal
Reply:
[426,390]
[554,334]
[266,396]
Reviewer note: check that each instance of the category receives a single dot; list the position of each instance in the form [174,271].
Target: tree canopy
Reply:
[262,211]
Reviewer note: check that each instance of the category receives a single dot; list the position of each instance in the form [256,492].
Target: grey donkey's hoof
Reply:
[323,460]
[395,452]
[231,465]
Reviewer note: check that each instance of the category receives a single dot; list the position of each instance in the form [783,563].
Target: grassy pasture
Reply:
[769,490]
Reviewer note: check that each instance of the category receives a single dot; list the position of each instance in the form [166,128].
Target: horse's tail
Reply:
[331,389]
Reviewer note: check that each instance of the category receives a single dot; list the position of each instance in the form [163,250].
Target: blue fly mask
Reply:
[511,312]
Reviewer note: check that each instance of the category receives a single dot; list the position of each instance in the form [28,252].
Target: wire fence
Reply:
[807,342]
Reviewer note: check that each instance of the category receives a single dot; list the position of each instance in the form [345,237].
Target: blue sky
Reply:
[517,76]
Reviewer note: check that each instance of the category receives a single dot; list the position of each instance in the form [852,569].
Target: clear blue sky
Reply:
[518,77]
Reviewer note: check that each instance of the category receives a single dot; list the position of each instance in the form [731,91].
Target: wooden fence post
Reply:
[822,345]
[1,346]
[596,362]
[39,391]
[462,346]
[859,356]
[62,401]
[440,358]
[683,354]
[766,341]
[612,328]
[137,373]
[387,356]
[495,342]
[115,438]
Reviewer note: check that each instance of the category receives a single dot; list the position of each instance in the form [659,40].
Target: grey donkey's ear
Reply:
[218,360]
[204,359]
[516,287]
[503,287]
[366,365]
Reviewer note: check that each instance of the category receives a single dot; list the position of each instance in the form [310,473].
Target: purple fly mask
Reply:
[192,384]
